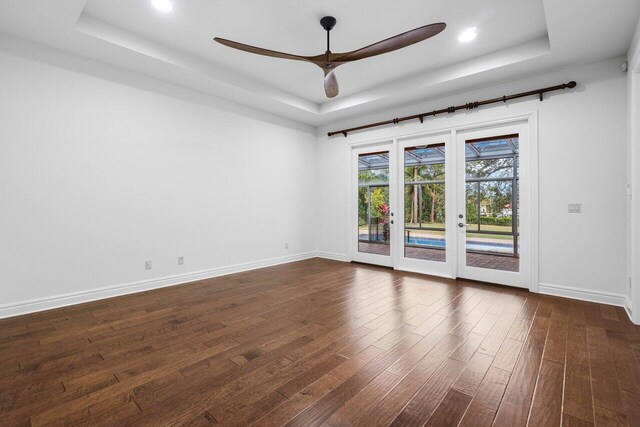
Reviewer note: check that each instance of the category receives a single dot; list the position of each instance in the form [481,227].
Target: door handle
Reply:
[462,225]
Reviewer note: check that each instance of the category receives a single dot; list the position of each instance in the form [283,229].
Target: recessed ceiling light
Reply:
[162,5]
[468,35]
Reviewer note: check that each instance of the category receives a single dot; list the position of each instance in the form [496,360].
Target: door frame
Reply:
[531,119]
[633,302]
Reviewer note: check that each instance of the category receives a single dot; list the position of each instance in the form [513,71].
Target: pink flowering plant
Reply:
[384,213]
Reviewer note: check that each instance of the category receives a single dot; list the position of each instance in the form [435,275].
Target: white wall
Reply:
[582,144]
[96,177]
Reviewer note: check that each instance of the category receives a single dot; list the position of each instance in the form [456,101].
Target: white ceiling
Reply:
[191,26]
[515,38]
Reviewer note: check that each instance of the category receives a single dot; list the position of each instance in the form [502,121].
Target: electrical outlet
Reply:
[180,260]
[147,265]
[286,245]
[575,207]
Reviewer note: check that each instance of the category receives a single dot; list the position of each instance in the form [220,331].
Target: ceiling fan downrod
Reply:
[328,22]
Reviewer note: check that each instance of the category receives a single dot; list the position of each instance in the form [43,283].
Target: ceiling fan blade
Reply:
[261,51]
[392,43]
[330,84]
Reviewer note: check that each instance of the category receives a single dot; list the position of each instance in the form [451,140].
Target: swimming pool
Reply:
[471,245]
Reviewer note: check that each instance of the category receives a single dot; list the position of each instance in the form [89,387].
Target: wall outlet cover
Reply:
[575,207]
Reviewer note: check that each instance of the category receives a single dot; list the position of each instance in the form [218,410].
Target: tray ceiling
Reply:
[515,38]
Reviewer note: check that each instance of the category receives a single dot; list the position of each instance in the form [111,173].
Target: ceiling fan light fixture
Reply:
[162,5]
[468,35]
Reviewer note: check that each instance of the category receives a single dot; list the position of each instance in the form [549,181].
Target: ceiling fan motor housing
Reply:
[328,22]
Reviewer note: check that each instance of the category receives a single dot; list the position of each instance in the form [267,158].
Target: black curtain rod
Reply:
[468,106]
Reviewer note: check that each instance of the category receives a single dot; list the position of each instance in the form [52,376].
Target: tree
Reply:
[489,168]
[424,202]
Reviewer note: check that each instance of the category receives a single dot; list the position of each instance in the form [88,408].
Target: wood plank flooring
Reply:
[319,342]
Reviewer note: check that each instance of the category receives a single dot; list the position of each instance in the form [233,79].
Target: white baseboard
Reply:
[57,301]
[609,298]
[628,307]
[332,255]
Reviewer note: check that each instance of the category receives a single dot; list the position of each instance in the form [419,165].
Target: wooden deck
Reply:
[322,342]
[495,262]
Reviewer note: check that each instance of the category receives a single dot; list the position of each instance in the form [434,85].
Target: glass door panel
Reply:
[373,217]
[491,175]
[374,214]
[424,203]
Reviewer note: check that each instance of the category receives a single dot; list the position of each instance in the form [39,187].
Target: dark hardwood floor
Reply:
[322,342]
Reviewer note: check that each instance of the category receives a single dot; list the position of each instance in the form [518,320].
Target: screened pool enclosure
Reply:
[491,196]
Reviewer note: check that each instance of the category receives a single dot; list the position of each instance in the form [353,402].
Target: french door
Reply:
[494,233]
[454,204]
[426,176]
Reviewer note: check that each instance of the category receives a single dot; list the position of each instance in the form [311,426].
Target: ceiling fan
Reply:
[328,61]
